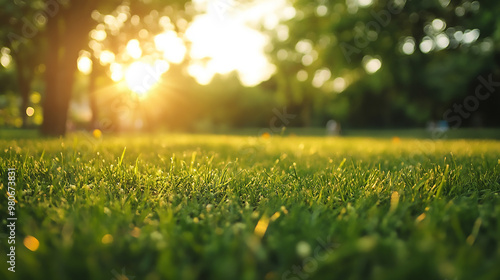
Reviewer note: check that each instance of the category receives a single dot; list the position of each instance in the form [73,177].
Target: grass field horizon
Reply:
[415,133]
[181,206]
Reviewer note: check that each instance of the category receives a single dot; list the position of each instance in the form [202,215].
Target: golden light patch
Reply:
[30,111]
[420,218]
[97,133]
[31,243]
[107,239]
[275,216]
[396,140]
[261,227]
[266,135]
[394,201]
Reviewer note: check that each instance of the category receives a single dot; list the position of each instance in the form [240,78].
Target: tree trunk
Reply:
[53,106]
[67,35]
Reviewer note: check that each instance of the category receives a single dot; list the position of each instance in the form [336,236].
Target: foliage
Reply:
[321,50]
[409,89]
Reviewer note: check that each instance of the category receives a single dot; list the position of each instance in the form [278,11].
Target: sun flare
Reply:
[225,34]
[215,42]
[172,46]
[141,77]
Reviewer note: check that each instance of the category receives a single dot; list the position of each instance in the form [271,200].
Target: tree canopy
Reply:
[135,64]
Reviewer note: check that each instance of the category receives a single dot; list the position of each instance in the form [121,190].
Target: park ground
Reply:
[290,206]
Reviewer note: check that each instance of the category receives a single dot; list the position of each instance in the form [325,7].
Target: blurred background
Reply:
[223,65]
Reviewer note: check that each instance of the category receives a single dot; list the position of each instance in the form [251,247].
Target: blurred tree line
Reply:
[366,63]
[430,55]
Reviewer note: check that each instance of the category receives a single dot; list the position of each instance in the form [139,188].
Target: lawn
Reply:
[242,207]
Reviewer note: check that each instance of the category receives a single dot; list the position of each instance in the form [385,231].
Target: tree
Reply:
[377,81]
[18,34]
[64,27]
[67,33]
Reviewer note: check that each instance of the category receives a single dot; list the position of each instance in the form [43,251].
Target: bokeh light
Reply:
[31,243]
[97,133]
[426,45]
[408,46]
[85,65]
[141,77]
[134,49]
[107,239]
[30,111]
[372,65]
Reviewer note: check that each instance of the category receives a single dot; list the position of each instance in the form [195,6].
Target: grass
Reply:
[240,207]
[414,133]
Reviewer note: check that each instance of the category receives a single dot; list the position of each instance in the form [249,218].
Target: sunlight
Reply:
[172,46]
[134,49]
[116,72]
[5,57]
[141,77]
[98,35]
[230,47]
[372,65]
[220,41]
[106,57]
[30,111]
[200,73]
[230,40]
[84,65]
